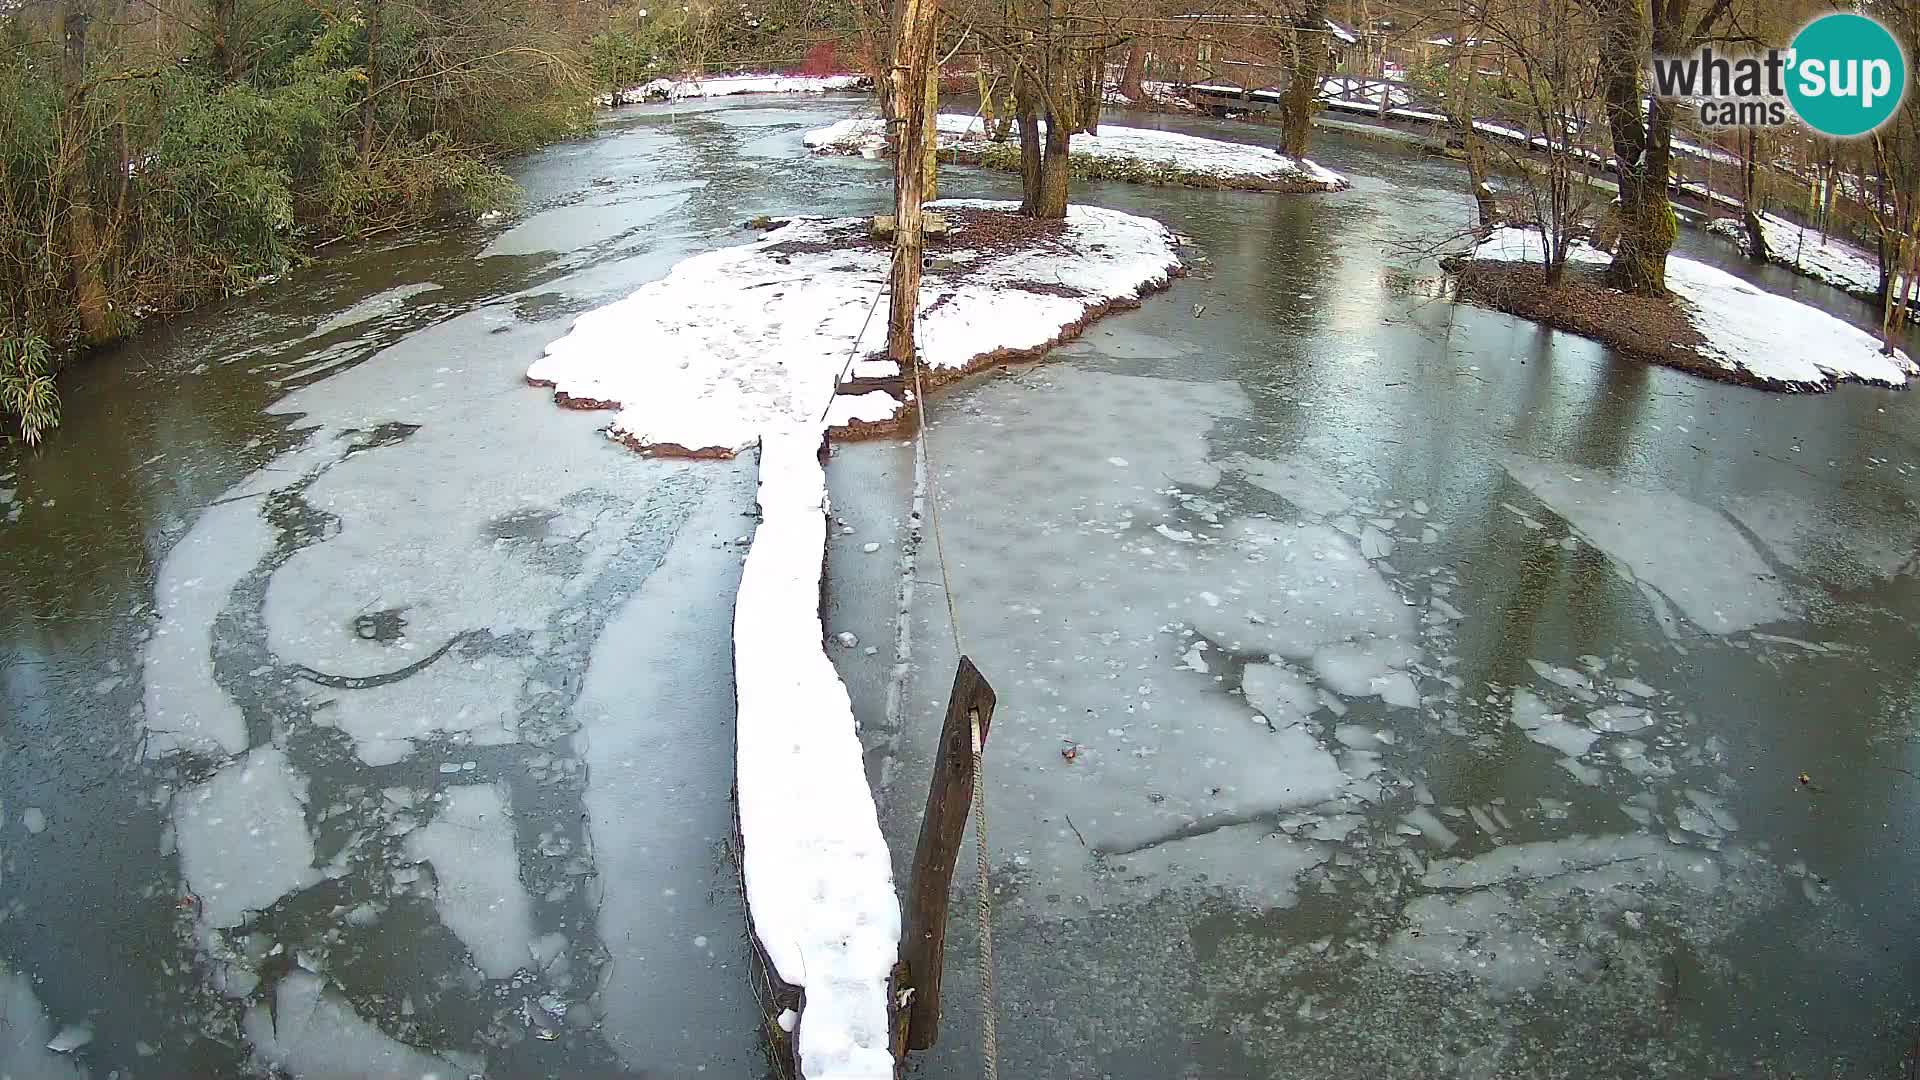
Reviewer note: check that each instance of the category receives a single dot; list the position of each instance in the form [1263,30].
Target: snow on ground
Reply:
[1768,338]
[1164,94]
[477,877]
[1686,554]
[819,879]
[1229,164]
[730,85]
[1809,252]
[243,838]
[746,339]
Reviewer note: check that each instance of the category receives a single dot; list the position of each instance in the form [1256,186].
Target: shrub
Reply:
[27,393]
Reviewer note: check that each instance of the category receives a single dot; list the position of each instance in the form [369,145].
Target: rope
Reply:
[989,1021]
[854,351]
[989,1028]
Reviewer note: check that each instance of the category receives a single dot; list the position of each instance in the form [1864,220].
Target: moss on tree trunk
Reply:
[1303,89]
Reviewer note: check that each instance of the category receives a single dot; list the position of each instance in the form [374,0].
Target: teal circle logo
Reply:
[1848,74]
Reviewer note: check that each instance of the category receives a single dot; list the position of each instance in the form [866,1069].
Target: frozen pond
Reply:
[1435,687]
[367,715]
[1391,689]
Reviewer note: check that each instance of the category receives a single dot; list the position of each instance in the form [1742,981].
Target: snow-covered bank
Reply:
[729,85]
[1810,253]
[819,879]
[1747,335]
[1159,95]
[747,339]
[1139,155]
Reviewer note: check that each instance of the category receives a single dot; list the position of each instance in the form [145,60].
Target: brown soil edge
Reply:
[1655,330]
[645,449]
[935,379]
[873,429]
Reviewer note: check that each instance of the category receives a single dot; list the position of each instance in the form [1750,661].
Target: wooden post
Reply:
[949,799]
[912,56]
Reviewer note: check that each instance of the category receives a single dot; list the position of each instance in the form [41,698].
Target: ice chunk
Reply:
[478,891]
[1429,825]
[1549,728]
[1296,479]
[1634,687]
[34,820]
[314,1034]
[1619,718]
[1691,554]
[71,1038]
[1357,737]
[1279,692]
[1375,544]
[28,1043]
[1250,863]
[1567,677]
[243,838]
[1367,668]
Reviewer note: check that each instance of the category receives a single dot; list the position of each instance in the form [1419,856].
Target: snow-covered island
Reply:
[1134,155]
[693,86]
[746,339]
[1714,324]
[772,343]
[1810,253]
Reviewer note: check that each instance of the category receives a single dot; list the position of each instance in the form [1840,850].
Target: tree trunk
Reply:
[1303,90]
[1750,204]
[1465,79]
[1051,199]
[1641,143]
[1136,71]
[930,162]
[912,56]
[220,47]
[1027,110]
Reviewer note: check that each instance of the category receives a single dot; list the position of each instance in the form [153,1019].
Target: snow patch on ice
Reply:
[1692,555]
[477,877]
[313,1033]
[185,708]
[1296,479]
[25,1035]
[1251,863]
[243,837]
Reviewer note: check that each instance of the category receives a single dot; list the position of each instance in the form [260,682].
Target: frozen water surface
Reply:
[183,606]
[243,836]
[470,845]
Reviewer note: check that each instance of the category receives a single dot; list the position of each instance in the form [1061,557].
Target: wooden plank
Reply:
[949,799]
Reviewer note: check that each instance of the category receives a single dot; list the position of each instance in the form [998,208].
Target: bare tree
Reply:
[1642,131]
